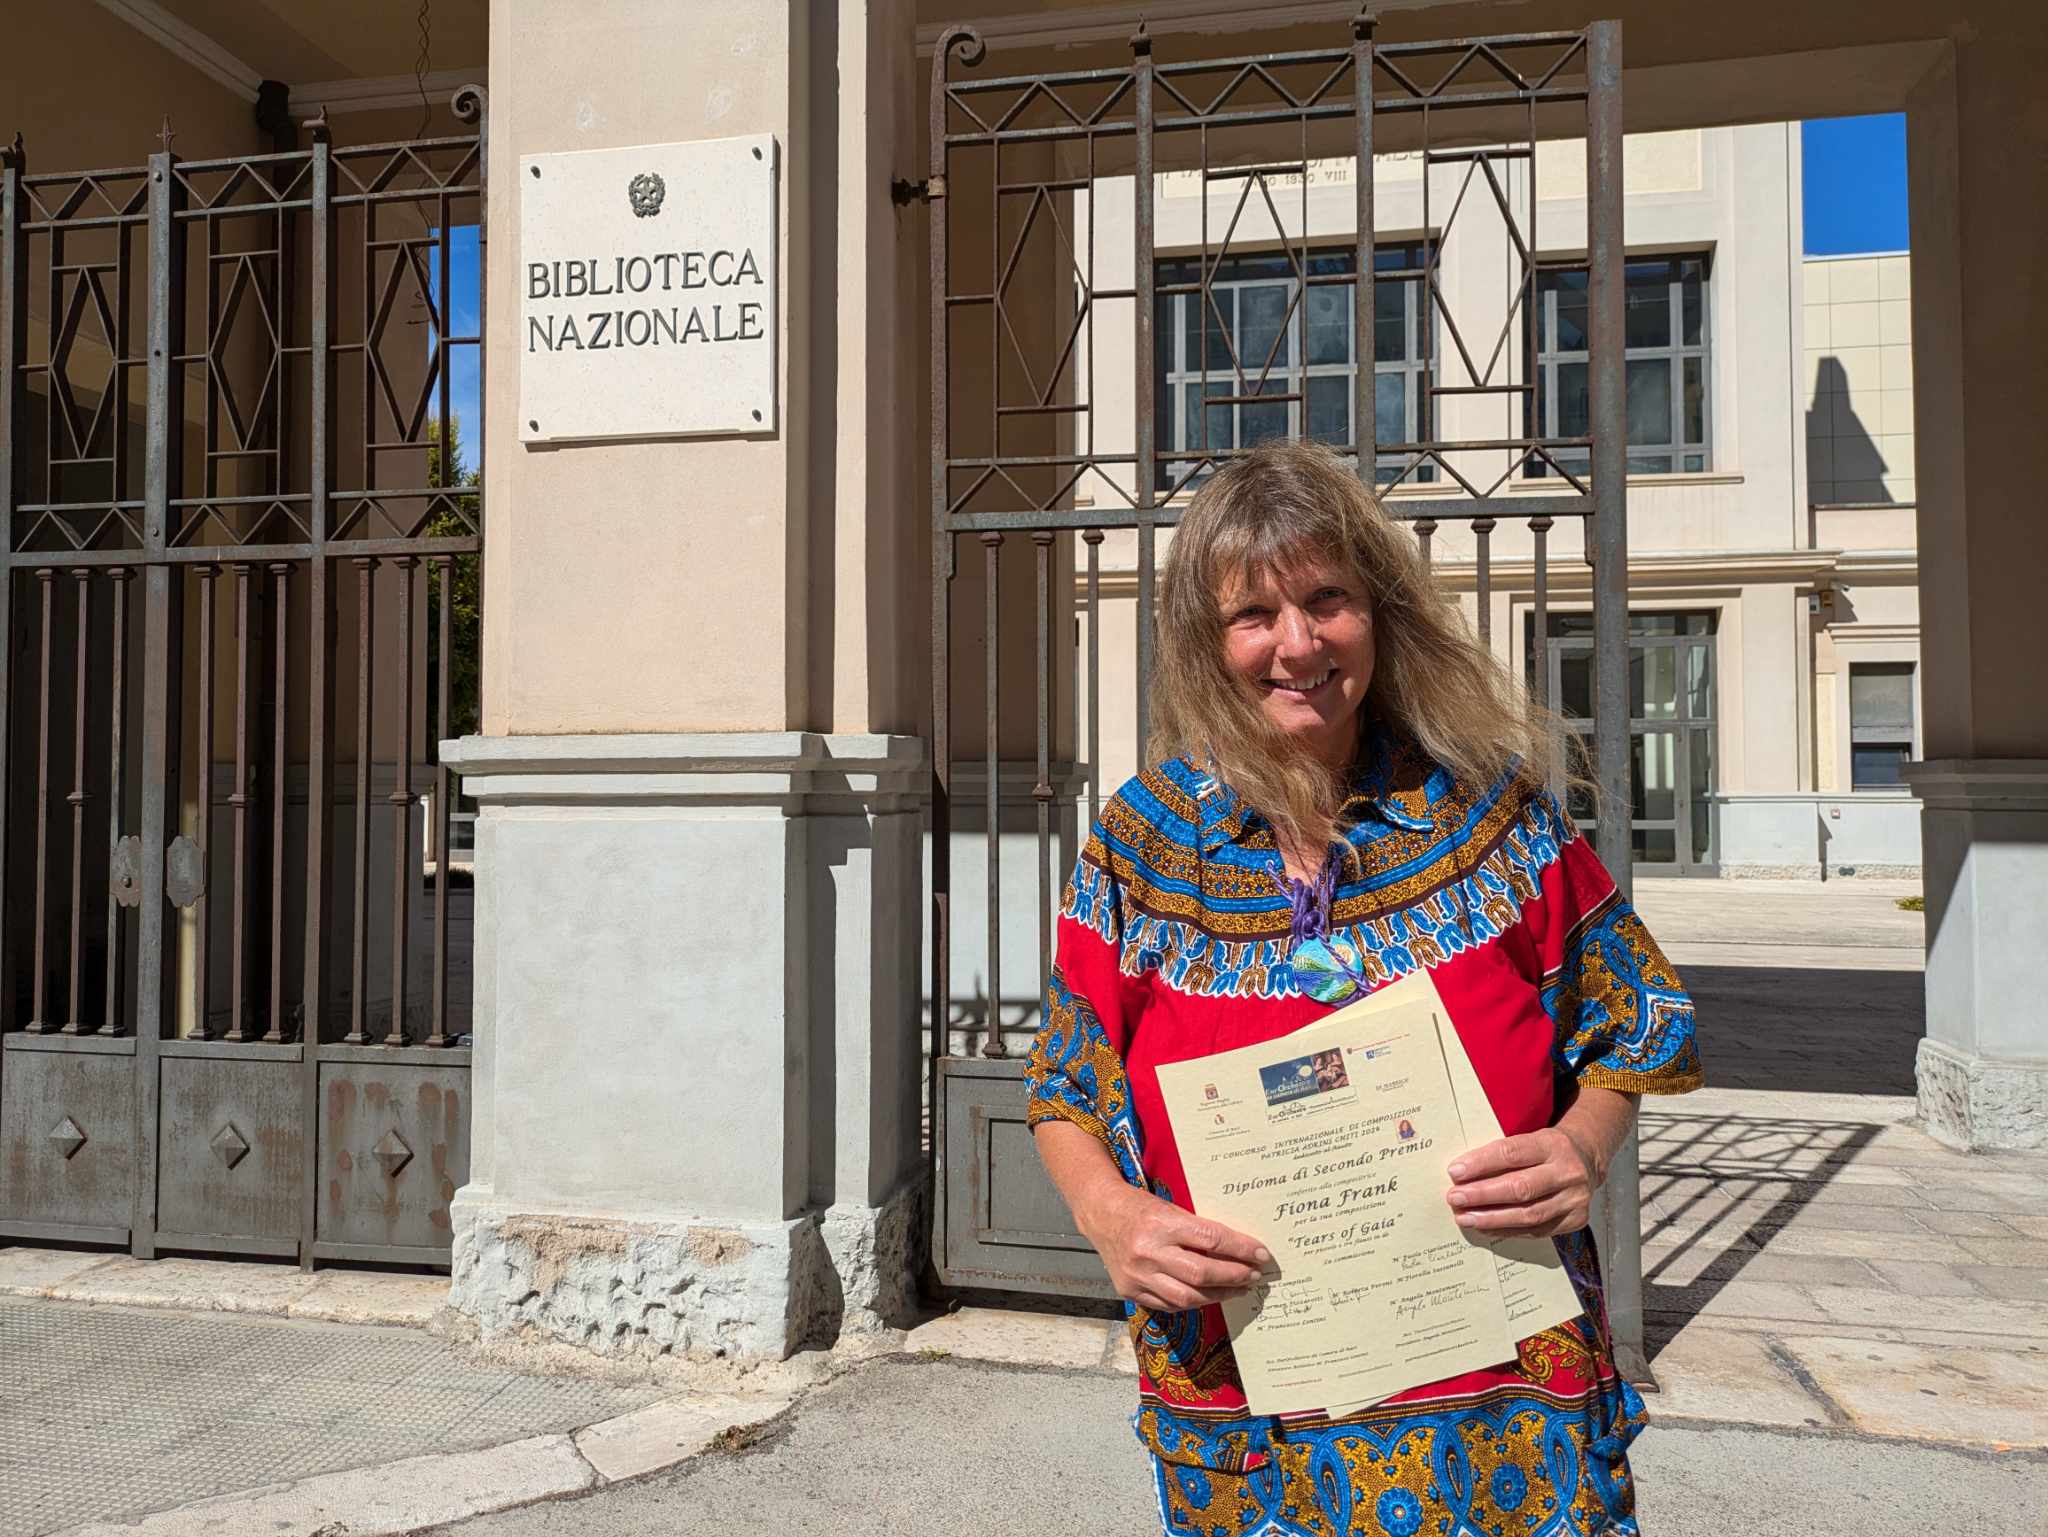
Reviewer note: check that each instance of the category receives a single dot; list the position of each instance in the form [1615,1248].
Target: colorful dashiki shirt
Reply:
[1179,936]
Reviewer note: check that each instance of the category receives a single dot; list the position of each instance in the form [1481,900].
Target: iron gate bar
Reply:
[251,289]
[1146,272]
[998,489]
[13,388]
[1618,1224]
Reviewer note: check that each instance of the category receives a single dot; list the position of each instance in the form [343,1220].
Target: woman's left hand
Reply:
[1534,1185]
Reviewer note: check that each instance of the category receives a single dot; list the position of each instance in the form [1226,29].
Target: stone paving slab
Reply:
[1994,1398]
[333,1296]
[663,1434]
[226,1285]
[1743,1379]
[1016,1337]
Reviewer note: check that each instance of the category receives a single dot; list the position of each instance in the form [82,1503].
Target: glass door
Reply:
[1671,731]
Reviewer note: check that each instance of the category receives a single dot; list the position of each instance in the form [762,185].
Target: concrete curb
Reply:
[387,1499]
[227,1286]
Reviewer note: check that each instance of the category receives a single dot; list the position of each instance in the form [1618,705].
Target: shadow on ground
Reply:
[1808,1030]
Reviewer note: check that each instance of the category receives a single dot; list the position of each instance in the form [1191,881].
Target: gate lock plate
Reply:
[184,872]
[125,871]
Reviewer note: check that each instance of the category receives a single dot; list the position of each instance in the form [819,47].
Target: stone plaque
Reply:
[648,291]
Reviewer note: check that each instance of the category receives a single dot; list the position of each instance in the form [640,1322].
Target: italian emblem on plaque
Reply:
[645,192]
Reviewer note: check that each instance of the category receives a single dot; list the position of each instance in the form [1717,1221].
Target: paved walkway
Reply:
[1811,1257]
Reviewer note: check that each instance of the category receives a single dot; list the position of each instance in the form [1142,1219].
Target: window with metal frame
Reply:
[1880,724]
[1669,350]
[1270,329]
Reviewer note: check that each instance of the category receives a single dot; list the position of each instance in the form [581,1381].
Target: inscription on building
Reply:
[648,291]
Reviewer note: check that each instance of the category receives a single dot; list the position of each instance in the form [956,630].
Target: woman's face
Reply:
[1302,638]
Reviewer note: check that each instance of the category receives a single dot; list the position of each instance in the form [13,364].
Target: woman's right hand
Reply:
[1166,1259]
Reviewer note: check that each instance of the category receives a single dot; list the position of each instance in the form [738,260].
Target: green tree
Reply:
[464,584]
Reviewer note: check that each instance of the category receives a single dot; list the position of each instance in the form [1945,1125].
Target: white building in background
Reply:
[1773,572]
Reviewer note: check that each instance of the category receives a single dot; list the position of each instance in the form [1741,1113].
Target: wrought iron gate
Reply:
[238,571]
[1031,436]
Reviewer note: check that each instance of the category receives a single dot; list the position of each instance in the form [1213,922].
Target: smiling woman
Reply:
[1285,570]
[1351,790]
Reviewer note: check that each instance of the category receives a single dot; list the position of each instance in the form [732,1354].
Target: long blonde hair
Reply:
[1289,502]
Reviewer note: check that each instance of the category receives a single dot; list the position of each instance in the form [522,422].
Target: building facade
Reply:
[1772,570]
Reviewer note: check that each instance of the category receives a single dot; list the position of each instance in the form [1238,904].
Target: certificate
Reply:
[1331,1147]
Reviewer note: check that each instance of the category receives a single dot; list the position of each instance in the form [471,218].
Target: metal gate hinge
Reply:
[930,190]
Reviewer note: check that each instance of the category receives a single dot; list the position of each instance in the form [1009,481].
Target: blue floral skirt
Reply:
[1499,1473]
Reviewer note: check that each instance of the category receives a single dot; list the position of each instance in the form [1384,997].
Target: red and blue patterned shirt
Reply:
[1178,938]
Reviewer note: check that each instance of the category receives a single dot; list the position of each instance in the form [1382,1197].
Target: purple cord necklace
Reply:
[1309,902]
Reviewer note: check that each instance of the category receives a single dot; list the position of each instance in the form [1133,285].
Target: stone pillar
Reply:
[696,1121]
[1978,161]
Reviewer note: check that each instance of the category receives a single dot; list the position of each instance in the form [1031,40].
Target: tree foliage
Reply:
[464,594]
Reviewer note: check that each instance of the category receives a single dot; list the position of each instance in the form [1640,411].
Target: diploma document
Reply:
[1330,1146]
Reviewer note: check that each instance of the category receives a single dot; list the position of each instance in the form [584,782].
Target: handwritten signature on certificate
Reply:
[1331,1146]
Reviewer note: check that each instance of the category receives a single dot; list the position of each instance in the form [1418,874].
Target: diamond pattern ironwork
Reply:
[229,1145]
[392,1153]
[68,1137]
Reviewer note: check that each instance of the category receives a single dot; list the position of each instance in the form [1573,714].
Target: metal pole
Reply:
[320,676]
[13,413]
[1618,1222]
[155,939]
[1147,424]
[968,42]
[1364,351]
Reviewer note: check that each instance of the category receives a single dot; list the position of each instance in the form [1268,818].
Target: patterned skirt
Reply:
[1513,1466]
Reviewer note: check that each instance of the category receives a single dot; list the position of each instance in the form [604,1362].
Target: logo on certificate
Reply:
[1208,1091]
[1300,1077]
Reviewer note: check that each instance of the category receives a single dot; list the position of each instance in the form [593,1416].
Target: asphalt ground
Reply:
[945,1446]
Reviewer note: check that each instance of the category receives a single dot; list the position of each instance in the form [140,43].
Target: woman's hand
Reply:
[1159,1256]
[1533,1185]
[1163,1258]
[1542,1183]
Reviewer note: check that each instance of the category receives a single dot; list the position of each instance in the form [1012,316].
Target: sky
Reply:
[463,382]
[1855,171]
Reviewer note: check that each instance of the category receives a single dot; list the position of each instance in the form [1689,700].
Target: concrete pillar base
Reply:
[1983,1069]
[640,1289]
[695,1123]
[1979,1104]
[636,1290]
[878,1254]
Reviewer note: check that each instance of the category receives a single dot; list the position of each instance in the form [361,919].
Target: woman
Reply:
[1352,789]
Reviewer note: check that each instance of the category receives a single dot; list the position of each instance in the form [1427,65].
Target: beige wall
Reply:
[753,583]
[1859,378]
[87,90]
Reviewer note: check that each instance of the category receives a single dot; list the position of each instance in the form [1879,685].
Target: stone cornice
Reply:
[187,42]
[803,772]
[184,41]
[381,93]
[1980,784]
